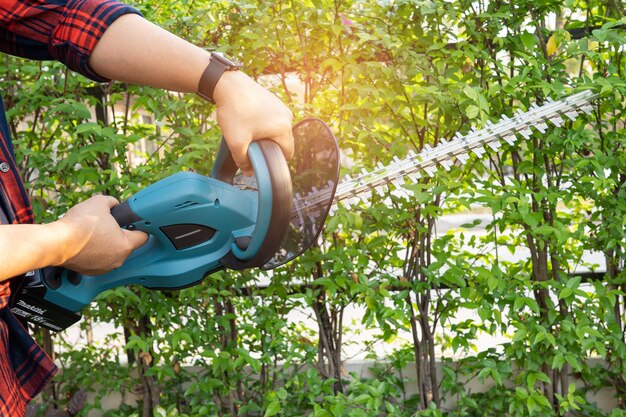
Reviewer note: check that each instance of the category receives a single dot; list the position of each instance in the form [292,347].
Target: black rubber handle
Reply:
[224,167]
[124,215]
[282,198]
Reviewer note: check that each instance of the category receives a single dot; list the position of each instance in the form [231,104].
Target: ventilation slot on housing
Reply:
[185,204]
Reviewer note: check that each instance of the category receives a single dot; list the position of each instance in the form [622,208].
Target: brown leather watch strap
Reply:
[212,74]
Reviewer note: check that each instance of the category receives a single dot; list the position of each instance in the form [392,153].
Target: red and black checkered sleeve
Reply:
[64,30]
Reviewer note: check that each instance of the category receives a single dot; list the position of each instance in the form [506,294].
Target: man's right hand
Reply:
[247,112]
[95,242]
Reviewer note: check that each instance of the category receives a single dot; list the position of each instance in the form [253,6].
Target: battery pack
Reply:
[30,305]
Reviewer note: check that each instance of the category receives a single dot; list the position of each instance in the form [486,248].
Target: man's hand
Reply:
[87,240]
[97,244]
[247,112]
[136,51]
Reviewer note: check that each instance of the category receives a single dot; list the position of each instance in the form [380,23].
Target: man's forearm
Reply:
[25,247]
[137,51]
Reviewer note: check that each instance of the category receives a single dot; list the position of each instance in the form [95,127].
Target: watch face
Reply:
[220,57]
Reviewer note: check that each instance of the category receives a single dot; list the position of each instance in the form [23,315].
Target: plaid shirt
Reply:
[64,30]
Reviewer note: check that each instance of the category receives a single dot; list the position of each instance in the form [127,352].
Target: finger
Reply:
[136,238]
[239,151]
[245,167]
[286,143]
[106,200]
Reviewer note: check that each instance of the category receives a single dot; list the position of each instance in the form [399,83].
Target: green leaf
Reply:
[88,127]
[159,412]
[565,293]
[472,111]
[528,39]
[471,93]
[558,362]
[273,408]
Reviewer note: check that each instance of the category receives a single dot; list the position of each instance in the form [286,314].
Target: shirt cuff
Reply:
[82,25]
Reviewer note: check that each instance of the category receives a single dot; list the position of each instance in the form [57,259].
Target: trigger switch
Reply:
[243,242]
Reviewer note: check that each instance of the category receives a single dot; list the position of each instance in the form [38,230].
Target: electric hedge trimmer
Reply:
[200,225]
[359,188]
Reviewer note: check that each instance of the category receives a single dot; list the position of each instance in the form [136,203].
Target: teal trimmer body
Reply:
[199,225]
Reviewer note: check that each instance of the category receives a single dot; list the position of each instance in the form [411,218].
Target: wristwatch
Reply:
[217,66]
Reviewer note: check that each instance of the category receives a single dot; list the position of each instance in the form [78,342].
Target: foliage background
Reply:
[389,77]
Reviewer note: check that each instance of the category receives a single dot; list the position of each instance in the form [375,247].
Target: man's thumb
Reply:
[136,238]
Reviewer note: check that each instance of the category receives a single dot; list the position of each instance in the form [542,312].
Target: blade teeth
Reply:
[462,157]
[399,192]
[541,127]
[526,132]
[347,178]
[395,159]
[380,165]
[458,136]
[478,151]
[446,164]
[557,120]
[495,145]
[505,118]
[587,108]
[412,154]
[364,197]
[572,114]
[413,176]
[398,182]
[350,201]
[379,189]
[510,139]
[430,170]
[313,215]
[332,210]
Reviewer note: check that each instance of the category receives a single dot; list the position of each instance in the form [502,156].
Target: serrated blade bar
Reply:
[507,129]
